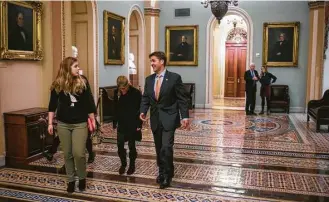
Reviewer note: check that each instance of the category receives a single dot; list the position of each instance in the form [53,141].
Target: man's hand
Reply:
[185,123]
[255,78]
[142,117]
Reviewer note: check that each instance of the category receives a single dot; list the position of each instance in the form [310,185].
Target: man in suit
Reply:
[182,52]
[114,44]
[282,50]
[165,94]
[18,38]
[251,77]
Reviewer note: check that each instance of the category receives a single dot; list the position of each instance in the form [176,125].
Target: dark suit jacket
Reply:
[250,84]
[184,49]
[172,104]
[285,49]
[17,42]
[114,48]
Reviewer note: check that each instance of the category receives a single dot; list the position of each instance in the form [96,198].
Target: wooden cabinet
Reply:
[26,137]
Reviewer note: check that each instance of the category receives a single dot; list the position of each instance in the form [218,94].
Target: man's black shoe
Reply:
[159,179]
[131,169]
[122,169]
[49,156]
[165,183]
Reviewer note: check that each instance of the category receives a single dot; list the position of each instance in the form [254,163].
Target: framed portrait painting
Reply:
[21,30]
[114,39]
[182,45]
[280,44]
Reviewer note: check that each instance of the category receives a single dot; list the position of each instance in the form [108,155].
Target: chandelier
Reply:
[219,7]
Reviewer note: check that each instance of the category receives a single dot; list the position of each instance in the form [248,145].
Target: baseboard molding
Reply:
[257,108]
[297,109]
[208,106]
[2,160]
[291,110]
[229,108]
[199,106]
[216,97]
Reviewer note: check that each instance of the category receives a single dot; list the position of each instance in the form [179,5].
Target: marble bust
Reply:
[132,66]
[75,55]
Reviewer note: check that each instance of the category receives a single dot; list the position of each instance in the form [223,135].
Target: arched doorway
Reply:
[216,49]
[235,63]
[136,47]
[84,35]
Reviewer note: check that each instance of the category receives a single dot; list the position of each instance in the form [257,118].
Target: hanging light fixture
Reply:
[218,7]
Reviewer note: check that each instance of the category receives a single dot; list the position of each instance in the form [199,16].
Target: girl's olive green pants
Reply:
[73,139]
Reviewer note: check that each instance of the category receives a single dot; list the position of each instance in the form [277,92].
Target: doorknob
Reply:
[238,80]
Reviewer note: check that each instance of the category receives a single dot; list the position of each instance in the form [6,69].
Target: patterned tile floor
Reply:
[223,156]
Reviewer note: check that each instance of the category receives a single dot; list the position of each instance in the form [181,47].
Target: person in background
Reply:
[72,101]
[127,101]
[251,77]
[266,79]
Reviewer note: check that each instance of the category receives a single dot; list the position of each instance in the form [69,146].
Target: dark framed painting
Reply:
[280,44]
[21,30]
[182,45]
[114,39]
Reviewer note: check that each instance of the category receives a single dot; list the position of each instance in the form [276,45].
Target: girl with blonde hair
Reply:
[72,100]
[127,102]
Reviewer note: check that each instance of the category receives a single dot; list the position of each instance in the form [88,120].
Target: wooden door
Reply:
[241,67]
[235,66]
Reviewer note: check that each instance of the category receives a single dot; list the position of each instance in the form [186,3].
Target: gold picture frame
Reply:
[20,24]
[280,44]
[182,45]
[114,40]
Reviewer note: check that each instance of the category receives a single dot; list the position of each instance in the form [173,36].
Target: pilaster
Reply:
[316,50]
[151,13]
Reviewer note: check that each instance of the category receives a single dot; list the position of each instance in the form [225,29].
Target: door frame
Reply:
[141,44]
[210,47]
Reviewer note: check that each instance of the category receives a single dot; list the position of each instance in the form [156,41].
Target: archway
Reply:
[210,49]
[136,45]
[84,36]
